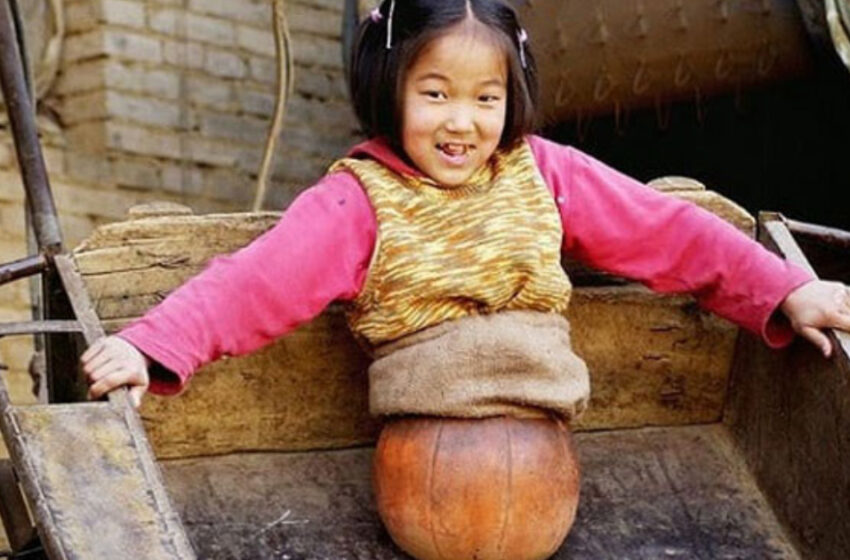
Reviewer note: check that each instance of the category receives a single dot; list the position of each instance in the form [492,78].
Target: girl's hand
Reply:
[112,362]
[817,305]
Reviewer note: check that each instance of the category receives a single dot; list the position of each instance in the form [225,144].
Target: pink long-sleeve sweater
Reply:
[321,248]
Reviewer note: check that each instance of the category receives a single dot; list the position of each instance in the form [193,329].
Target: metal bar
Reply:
[831,236]
[22,45]
[22,268]
[20,109]
[37,327]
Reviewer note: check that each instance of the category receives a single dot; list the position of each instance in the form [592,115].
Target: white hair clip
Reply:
[522,38]
[390,26]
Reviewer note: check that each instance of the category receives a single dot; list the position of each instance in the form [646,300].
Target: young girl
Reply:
[444,234]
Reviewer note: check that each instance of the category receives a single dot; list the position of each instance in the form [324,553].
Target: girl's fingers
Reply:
[92,351]
[819,339]
[106,370]
[98,361]
[107,384]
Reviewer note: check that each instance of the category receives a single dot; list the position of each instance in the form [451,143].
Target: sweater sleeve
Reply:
[613,223]
[318,252]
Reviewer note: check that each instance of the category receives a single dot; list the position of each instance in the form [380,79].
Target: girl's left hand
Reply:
[818,305]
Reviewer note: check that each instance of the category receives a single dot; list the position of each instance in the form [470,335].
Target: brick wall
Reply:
[171,100]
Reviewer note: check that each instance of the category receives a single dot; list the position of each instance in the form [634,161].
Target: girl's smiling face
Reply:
[454,104]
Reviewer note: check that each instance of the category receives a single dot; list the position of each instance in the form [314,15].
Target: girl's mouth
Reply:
[455,154]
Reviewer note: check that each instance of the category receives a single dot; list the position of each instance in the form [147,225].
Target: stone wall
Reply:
[171,100]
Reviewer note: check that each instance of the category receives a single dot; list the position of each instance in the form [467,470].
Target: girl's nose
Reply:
[461,119]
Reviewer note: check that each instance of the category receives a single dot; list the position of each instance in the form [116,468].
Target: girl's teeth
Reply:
[453,149]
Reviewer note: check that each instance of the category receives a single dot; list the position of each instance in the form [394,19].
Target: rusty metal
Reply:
[833,236]
[22,268]
[612,56]
[20,110]
[43,327]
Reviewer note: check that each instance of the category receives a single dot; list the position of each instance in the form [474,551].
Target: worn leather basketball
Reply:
[496,488]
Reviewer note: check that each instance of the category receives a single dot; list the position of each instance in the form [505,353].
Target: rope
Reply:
[285,80]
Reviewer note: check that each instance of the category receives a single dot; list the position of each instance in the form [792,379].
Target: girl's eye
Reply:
[434,94]
[488,98]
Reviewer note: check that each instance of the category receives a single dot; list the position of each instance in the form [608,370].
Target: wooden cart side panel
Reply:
[789,411]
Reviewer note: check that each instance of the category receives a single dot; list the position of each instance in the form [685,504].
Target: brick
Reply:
[122,12]
[163,83]
[88,168]
[183,54]
[136,173]
[334,6]
[321,116]
[133,47]
[327,146]
[110,73]
[263,69]
[323,84]
[250,11]
[224,64]
[120,44]
[14,294]
[169,22]
[294,166]
[144,110]
[7,155]
[211,152]
[12,249]
[54,159]
[75,228]
[207,92]
[12,222]
[210,30]
[83,46]
[86,107]
[185,179]
[310,19]
[81,17]
[310,50]
[11,188]
[240,128]
[256,102]
[255,40]
[81,77]
[76,200]
[143,141]
[16,351]
[228,185]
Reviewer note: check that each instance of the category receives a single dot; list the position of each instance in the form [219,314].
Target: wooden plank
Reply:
[309,389]
[646,494]
[13,511]
[790,413]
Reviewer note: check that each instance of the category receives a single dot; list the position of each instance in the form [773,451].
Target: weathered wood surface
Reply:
[90,483]
[654,360]
[646,494]
[789,411]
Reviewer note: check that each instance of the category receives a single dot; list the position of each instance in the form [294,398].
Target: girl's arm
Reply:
[318,252]
[616,224]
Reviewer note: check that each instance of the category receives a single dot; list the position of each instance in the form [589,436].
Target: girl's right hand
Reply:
[112,362]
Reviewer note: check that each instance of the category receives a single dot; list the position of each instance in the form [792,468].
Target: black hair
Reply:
[376,74]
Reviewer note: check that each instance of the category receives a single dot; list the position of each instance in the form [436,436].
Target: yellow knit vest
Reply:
[442,253]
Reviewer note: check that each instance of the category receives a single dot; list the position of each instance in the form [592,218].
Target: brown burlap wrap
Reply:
[516,363]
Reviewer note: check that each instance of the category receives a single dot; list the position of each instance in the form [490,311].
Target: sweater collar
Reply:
[381,151]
